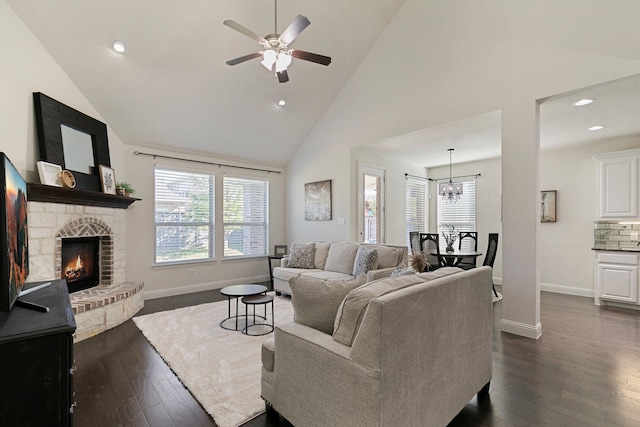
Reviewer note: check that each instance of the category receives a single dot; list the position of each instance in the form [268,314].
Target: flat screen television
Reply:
[14,251]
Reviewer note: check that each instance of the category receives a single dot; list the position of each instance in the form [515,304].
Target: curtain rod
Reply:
[440,179]
[138,153]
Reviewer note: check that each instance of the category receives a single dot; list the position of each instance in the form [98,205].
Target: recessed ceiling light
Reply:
[119,46]
[281,103]
[584,101]
[597,127]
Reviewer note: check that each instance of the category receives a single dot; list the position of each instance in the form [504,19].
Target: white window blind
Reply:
[415,206]
[461,214]
[184,216]
[245,217]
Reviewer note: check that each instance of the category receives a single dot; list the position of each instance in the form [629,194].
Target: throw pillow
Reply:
[366,259]
[389,256]
[322,252]
[402,271]
[354,306]
[316,301]
[301,256]
[341,257]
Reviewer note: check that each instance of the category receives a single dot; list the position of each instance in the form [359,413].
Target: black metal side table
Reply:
[269,259]
[239,291]
[253,301]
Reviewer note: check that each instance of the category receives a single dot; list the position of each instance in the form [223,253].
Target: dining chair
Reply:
[431,242]
[492,249]
[468,263]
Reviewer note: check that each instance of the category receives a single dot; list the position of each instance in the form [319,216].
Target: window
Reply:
[184,216]
[245,217]
[461,214]
[415,198]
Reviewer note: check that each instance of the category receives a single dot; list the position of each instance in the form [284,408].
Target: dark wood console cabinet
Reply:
[36,360]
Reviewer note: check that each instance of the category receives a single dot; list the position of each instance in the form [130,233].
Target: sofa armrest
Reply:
[379,274]
[315,379]
[284,261]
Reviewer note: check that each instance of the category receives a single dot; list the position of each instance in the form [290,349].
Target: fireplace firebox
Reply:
[80,262]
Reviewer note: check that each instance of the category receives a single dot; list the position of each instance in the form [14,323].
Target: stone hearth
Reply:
[114,300]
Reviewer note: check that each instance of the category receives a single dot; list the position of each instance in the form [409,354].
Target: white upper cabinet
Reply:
[618,184]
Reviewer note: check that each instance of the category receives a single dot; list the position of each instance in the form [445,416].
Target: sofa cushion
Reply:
[326,275]
[351,310]
[286,273]
[341,257]
[388,256]
[366,259]
[301,256]
[322,252]
[315,301]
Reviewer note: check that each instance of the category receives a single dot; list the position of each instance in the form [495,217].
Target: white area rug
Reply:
[221,368]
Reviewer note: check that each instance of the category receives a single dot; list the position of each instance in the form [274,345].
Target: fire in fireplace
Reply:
[80,264]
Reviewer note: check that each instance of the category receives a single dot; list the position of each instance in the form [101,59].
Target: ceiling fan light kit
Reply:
[277,55]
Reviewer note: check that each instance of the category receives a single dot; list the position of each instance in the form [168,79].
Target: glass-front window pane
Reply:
[245,214]
[184,216]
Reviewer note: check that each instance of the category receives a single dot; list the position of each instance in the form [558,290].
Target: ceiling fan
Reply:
[277,55]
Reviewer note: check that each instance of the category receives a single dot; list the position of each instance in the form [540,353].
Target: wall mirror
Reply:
[72,140]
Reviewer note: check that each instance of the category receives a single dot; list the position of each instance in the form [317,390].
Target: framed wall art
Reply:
[280,250]
[107,180]
[317,201]
[49,173]
[548,201]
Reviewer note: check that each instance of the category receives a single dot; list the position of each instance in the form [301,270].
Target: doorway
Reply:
[371,203]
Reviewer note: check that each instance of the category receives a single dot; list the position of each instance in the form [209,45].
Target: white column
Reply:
[520,220]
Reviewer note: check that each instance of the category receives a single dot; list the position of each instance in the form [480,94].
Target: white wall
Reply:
[395,225]
[26,67]
[163,281]
[446,72]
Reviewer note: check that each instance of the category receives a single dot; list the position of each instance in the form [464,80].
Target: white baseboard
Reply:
[567,290]
[522,329]
[558,289]
[200,287]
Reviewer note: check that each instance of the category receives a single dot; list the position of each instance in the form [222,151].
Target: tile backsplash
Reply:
[616,235]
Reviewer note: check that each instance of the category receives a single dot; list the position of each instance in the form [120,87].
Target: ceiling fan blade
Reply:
[244,58]
[283,76]
[244,30]
[313,57]
[294,29]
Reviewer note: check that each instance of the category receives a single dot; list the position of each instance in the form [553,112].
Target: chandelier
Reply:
[450,191]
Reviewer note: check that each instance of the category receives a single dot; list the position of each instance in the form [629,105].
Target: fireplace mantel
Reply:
[71,196]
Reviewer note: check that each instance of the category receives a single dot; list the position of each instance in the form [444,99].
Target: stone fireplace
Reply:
[102,305]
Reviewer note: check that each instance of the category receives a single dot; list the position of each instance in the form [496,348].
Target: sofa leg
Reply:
[484,391]
[278,293]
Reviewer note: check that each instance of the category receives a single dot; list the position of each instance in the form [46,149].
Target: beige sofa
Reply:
[336,261]
[421,350]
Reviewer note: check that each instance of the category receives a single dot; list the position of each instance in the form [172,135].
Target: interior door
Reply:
[371,203]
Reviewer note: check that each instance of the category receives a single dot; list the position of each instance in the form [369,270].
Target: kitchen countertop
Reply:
[617,250]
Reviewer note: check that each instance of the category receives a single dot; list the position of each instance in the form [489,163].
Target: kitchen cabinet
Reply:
[618,184]
[616,277]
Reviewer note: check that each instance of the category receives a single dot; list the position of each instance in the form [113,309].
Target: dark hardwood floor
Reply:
[584,371]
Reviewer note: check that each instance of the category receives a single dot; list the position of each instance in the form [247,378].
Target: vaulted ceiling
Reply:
[173,90]
[172,87]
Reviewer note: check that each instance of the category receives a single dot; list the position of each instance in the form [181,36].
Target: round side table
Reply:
[253,301]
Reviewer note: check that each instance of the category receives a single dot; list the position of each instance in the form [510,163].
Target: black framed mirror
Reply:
[71,139]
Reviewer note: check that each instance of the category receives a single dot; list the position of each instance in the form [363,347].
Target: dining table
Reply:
[452,259]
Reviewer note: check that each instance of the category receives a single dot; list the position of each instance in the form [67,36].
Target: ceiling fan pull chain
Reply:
[275,29]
